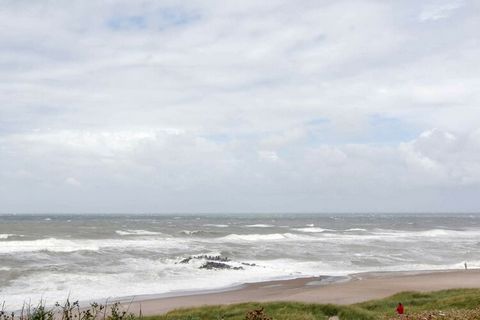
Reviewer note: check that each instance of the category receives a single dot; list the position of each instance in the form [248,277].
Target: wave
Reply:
[49,244]
[160,276]
[431,233]
[6,235]
[150,276]
[259,225]
[189,233]
[199,232]
[216,225]
[312,230]
[264,237]
[439,233]
[73,245]
[136,233]
[320,234]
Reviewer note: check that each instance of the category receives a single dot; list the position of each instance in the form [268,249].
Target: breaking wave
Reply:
[6,235]
[72,245]
[259,225]
[265,237]
[312,230]
[136,233]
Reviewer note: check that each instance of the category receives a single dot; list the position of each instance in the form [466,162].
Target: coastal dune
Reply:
[358,288]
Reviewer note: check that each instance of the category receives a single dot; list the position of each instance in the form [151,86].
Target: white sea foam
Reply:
[395,236]
[441,233]
[149,276]
[259,225]
[312,230]
[191,232]
[432,233]
[6,235]
[154,276]
[139,262]
[72,245]
[136,233]
[49,244]
[265,237]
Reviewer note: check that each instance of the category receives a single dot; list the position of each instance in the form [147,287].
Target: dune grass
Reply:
[446,304]
[457,304]
[456,299]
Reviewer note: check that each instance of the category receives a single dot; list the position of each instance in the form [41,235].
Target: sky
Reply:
[239,106]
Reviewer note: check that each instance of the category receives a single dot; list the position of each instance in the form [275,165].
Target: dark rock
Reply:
[211,265]
[186,260]
[205,257]
[213,258]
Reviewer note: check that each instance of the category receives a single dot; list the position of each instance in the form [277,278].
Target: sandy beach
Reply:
[358,288]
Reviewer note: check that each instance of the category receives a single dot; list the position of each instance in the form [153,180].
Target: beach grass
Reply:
[453,299]
[454,304]
[445,304]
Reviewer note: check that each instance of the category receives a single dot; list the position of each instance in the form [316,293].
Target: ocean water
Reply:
[92,257]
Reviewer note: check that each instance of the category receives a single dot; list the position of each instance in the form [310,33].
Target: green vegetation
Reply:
[69,311]
[456,299]
[274,310]
[447,304]
[458,304]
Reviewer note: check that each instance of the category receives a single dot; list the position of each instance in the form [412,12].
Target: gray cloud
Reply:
[258,106]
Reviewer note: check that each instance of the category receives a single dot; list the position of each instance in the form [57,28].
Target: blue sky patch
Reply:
[390,130]
[176,16]
[127,22]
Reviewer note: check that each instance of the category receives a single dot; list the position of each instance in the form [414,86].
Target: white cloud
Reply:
[264,106]
[73,182]
[439,10]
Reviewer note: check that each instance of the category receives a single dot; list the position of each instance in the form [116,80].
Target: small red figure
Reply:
[400,308]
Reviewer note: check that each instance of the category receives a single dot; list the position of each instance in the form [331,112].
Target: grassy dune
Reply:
[448,304]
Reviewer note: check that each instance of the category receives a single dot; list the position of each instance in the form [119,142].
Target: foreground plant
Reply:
[257,314]
[69,311]
[472,314]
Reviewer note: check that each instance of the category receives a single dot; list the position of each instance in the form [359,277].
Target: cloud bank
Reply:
[272,106]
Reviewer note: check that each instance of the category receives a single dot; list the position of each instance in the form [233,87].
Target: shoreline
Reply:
[350,289]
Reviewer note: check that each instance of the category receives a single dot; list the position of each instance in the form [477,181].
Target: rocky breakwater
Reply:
[217,262]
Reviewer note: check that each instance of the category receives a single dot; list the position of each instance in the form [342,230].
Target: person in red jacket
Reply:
[400,308]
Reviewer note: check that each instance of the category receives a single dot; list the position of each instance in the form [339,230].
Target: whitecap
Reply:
[312,230]
[191,232]
[265,237]
[49,244]
[259,225]
[73,245]
[136,233]
[216,225]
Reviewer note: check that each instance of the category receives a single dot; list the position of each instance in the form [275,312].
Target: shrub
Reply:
[257,314]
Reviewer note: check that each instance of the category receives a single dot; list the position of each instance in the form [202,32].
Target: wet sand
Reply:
[358,288]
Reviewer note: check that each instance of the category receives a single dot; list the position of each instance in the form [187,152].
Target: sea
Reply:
[98,256]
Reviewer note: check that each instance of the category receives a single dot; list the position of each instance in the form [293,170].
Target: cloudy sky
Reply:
[239,106]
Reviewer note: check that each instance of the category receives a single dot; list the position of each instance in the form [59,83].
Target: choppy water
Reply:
[98,256]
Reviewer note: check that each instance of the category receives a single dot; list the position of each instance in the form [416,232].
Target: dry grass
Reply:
[473,314]
[459,304]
